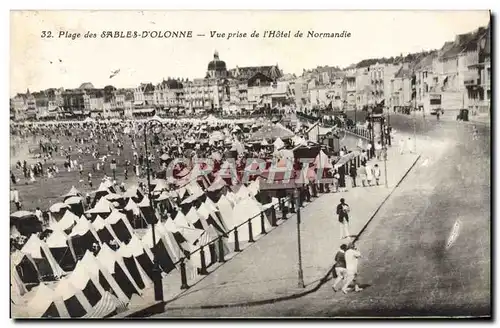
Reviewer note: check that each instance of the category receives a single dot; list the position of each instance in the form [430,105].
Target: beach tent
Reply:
[166,255]
[253,188]
[134,193]
[102,207]
[107,307]
[242,192]
[58,246]
[94,269]
[226,213]
[148,213]
[278,144]
[104,231]
[217,189]
[120,225]
[75,204]
[58,210]
[66,223]
[134,215]
[25,222]
[211,205]
[26,268]
[42,303]
[82,237]
[231,197]
[102,191]
[74,303]
[142,254]
[245,209]
[47,266]
[114,264]
[139,275]
[181,221]
[73,192]
[17,287]
[211,218]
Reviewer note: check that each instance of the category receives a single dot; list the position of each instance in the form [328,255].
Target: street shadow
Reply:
[309,289]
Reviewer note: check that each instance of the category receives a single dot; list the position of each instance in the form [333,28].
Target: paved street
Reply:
[407,268]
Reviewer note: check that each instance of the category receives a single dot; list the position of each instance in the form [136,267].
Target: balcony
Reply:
[472,82]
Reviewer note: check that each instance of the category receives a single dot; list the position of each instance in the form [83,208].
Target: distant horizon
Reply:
[39,64]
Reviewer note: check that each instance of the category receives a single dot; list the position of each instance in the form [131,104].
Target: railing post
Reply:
[250,232]
[184,284]
[273,217]
[262,224]
[236,241]
[221,250]
[203,269]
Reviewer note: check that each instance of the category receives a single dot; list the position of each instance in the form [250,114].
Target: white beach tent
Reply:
[244,210]
[102,206]
[167,255]
[82,237]
[40,252]
[41,301]
[94,269]
[60,250]
[138,273]
[109,260]
[104,231]
[75,303]
[226,212]
[120,225]
[108,306]
[17,287]
[181,221]
[66,223]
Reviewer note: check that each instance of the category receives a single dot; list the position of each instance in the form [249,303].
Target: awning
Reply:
[143,111]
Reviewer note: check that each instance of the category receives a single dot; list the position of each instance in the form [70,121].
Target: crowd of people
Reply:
[90,155]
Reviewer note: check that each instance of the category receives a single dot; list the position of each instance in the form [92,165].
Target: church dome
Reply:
[86,85]
[217,64]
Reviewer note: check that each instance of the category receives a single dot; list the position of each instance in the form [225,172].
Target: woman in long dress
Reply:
[341,172]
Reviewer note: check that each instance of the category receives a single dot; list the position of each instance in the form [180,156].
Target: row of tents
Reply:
[92,280]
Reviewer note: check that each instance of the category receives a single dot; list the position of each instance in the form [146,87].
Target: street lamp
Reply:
[297,205]
[415,128]
[384,148]
[158,287]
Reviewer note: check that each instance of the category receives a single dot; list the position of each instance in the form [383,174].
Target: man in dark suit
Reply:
[343,215]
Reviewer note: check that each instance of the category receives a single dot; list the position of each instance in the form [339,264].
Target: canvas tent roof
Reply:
[72,192]
[43,298]
[57,239]
[272,131]
[102,206]
[67,221]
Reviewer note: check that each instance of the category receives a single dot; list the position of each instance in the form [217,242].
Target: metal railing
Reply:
[219,241]
[360,132]
[284,204]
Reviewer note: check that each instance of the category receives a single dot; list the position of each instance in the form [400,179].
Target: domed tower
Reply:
[217,67]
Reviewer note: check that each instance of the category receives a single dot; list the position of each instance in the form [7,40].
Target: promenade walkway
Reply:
[267,270]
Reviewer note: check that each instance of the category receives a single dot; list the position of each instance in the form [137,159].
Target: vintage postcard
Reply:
[254,164]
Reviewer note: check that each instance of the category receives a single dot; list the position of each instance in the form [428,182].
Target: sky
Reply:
[39,63]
